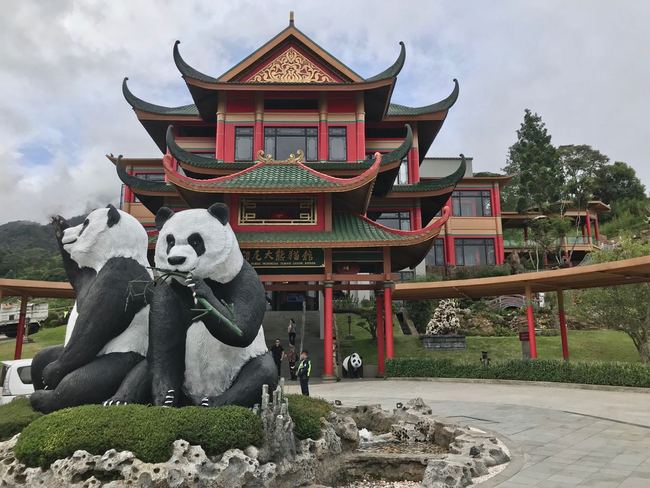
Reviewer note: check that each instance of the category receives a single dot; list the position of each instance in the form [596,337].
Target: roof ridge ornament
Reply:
[297,158]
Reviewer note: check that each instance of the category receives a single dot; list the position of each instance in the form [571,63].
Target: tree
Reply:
[579,165]
[534,162]
[445,318]
[626,307]
[616,182]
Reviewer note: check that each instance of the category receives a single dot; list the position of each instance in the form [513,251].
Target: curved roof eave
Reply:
[136,183]
[139,104]
[395,109]
[429,186]
[393,70]
[187,70]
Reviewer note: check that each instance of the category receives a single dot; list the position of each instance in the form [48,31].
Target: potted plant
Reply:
[441,332]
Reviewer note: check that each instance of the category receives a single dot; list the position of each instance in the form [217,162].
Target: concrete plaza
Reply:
[560,436]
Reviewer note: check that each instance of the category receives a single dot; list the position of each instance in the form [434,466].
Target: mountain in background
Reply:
[28,250]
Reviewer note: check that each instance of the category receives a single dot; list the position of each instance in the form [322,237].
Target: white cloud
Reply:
[582,65]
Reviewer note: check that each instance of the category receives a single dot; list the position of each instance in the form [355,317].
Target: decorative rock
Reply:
[346,428]
[441,473]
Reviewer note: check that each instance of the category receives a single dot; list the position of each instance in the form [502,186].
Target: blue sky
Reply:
[583,65]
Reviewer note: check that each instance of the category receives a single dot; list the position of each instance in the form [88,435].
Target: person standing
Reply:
[292,332]
[304,372]
[278,355]
[292,357]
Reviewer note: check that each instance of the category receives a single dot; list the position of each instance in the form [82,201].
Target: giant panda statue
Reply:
[353,366]
[201,361]
[105,259]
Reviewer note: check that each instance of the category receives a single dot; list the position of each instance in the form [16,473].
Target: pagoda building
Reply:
[308,155]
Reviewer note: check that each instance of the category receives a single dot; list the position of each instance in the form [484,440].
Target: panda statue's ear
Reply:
[113,216]
[162,216]
[220,212]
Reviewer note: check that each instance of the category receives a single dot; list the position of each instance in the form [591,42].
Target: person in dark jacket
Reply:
[292,357]
[304,372]
[278,355]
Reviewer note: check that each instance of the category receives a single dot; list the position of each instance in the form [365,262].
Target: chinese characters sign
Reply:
[280,258]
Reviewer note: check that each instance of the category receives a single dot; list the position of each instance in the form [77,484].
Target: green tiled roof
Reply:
[347,228]
[437,184]
[275,176]
[136,183]
[396,109]
[140,104]
[393,70]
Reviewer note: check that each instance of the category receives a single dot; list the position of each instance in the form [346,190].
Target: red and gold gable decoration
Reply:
[292,66]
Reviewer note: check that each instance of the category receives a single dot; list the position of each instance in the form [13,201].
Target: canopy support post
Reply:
[531,323]
[563,330]
[379,298]
[18,352]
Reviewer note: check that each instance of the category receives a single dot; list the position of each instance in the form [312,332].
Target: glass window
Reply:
[396,220]
[151,176]
[263,210]
[280,142]
[338,147]
[474,252]
[243,143]
[403,174]
[468,203]
[436,256]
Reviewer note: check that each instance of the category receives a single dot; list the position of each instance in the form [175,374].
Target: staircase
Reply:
[275,327]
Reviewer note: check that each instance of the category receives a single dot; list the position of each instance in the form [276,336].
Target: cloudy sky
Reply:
[583,65]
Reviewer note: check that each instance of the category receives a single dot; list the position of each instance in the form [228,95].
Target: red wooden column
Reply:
[21,328]
[531,323]
[258,130]
[328,343]
[563,334]
[220,151]
[588,225]
[596,229]
[361,127]
[388,318]
[323,135]
[379,298]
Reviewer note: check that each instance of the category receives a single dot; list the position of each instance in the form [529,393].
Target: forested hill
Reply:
[28,250]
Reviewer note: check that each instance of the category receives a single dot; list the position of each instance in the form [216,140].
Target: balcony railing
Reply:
[570,242]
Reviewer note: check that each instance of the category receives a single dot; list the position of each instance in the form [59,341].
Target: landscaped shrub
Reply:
[146,431]
[15,416]
[595,373]
[306,413]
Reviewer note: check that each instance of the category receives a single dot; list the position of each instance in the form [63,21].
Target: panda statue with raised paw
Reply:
[105,259]
[353,366]
[195,357]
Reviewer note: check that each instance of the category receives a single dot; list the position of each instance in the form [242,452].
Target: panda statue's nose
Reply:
[174,260]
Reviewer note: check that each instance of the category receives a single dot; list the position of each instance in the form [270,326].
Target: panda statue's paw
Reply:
[169,398]
[114,402]
[60,224]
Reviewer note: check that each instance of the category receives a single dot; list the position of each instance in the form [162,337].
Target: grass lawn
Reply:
[42,339]
[591,345]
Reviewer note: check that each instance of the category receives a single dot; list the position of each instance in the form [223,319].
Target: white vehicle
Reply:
[16,379]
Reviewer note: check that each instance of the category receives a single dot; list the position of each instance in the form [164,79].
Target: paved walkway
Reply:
[569,437]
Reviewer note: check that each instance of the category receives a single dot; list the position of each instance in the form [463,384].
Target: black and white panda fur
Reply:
[105,259]
[202,362]
[353,366]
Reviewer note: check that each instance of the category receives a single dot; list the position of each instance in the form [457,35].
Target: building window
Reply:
[468,203]
[151,176]
[474,252]
[243,143]
[277,211]
[396,220]
[280,142]
[403,174]
[436,256]
[338,147]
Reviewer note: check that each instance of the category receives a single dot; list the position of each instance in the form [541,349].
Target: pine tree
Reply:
[534,162]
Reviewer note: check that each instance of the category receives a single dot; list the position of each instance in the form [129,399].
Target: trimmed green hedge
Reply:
[146,431]
[15,416]
[594,373]
[306,413]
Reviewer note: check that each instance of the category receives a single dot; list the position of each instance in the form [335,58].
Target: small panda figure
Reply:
[202,361]
[105,259]
[353,366]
